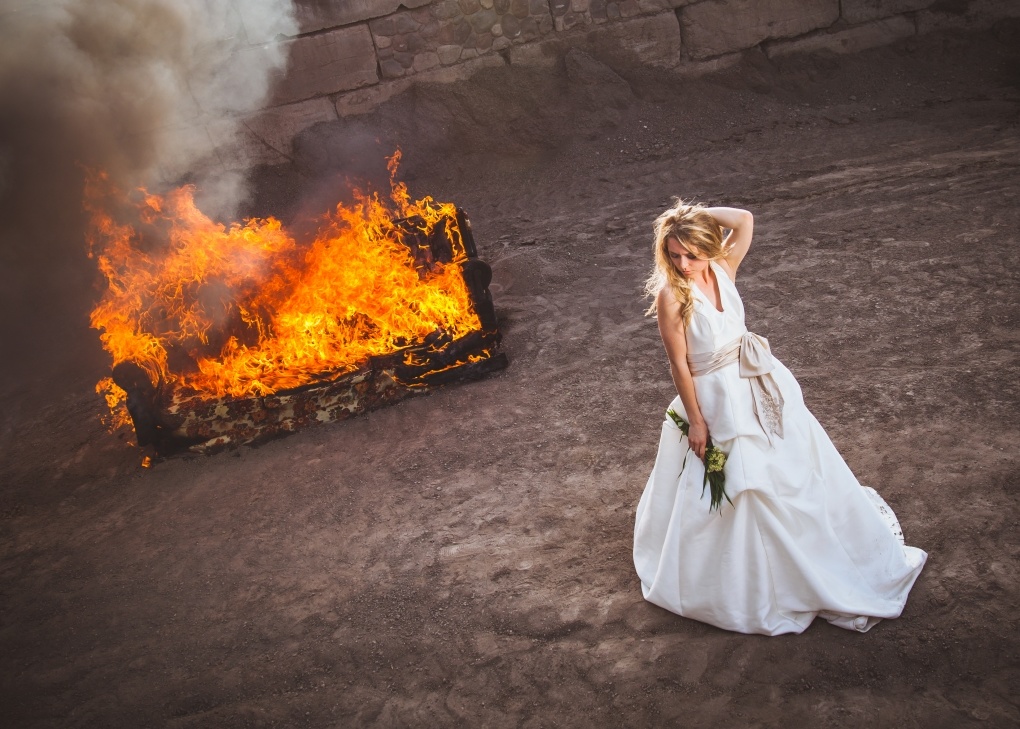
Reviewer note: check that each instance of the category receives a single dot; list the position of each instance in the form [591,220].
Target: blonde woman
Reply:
[796,536]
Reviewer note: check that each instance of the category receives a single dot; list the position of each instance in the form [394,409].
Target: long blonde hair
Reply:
[696,230]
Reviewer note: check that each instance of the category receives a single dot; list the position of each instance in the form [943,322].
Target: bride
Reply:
[795,536]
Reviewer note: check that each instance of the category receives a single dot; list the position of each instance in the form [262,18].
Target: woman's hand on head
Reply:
[697,436]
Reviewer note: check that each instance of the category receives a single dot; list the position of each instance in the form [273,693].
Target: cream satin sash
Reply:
[755,358]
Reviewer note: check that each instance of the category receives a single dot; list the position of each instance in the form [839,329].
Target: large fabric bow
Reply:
[756,364]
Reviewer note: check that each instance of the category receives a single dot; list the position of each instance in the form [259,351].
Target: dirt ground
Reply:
[463,558]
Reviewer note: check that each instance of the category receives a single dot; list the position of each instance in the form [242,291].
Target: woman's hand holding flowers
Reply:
[714,459]
[697,436]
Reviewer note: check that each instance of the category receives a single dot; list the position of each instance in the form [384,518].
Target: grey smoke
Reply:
[152,91]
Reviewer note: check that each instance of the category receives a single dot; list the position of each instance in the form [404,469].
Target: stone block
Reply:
[430,30]
[629,8]
[519,8]
[455,33]
[446,10]
[571,20]
[405,23]
[421,15]
[425,61]
[693,69]
[653,40]
[391,68]
[715,27]
[362,101]
[339,60]
[461,71]
[448,54]
[313,15]
[861,11]
[449,32]
[977,15]
[531,29]
[416,43]
[544,54]
[654,6]
[483,20]
[511,27]
[877,33]
[266,136]
[383,28]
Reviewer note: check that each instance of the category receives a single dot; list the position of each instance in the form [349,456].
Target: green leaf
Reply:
[680,422]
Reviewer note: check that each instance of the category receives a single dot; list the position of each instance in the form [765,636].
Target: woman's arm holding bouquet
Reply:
[671,328]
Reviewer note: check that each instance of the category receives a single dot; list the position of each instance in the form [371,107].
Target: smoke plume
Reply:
[148,90]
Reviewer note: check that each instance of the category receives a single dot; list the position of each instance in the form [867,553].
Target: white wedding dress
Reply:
[802,537]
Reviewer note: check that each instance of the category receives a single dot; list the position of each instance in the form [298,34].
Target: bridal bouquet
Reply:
[715,459]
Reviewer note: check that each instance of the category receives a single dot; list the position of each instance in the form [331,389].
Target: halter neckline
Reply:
[716,273]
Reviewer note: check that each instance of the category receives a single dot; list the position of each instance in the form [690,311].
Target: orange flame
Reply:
[246,310]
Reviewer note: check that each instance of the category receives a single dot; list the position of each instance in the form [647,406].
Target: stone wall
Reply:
[351,55]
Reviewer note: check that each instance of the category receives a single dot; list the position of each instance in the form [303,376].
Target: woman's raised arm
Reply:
[741,225]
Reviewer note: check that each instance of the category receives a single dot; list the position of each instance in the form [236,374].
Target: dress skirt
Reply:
[802,537]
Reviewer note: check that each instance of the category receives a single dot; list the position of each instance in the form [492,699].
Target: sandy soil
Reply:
[463,559]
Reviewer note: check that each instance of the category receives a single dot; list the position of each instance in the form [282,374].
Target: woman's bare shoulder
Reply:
[665,297]
[666,304]
[668,310]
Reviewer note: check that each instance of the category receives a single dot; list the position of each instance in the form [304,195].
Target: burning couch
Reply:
[225,335]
